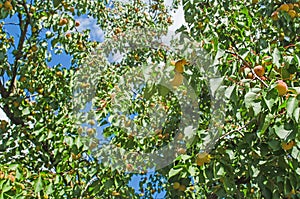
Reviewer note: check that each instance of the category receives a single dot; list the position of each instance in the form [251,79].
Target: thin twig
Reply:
[236,130]
[11,23]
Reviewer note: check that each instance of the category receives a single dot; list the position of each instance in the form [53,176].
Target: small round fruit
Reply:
[281,87]
[90,131]
[181,151]
[284,7]
[63,21]
[292,13]
[200,25]
[254,1]
[80,130]
[115,193]
[34,48]
[72,9]
[16,104]
[259,70]
[176,185]
[118,30]
[23,79]
[40,90]
[291,6]
[77,23]
[250,75]
[182,187]
[281,36]
[7,5]
[160,136]
[80,46]
[202,158]
[32,9]
[59,73]
[68,35]
[274,16]
[287,146]
[92,122]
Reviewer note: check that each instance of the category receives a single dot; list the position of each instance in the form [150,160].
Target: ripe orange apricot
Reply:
[63,21]
[287,146]
[68,35]
[259,70]
[292,13]
[250,75]
[281,87]
[7,5]
[284,7]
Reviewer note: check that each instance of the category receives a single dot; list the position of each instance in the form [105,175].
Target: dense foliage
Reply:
[249,51]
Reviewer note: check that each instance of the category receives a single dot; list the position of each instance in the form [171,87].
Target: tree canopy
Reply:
[213,108]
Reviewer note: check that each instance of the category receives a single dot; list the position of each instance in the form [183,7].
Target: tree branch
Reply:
[248,65]
[20,46]
[4,92]
[236,130]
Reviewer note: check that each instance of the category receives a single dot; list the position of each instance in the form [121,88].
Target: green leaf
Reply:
[162,90]
[297,115]
[276,57]
[291,105]
[108,183]
[270,99]
[296,153]
[174,172]
[215,83]
[56,3]
[6,187]
[26,111]
[274,144]
[249,98]
[38,185]
[256,108]
[192,170]
[49,189]
[78,142]
[185,157]
[282,131]
[228,91]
